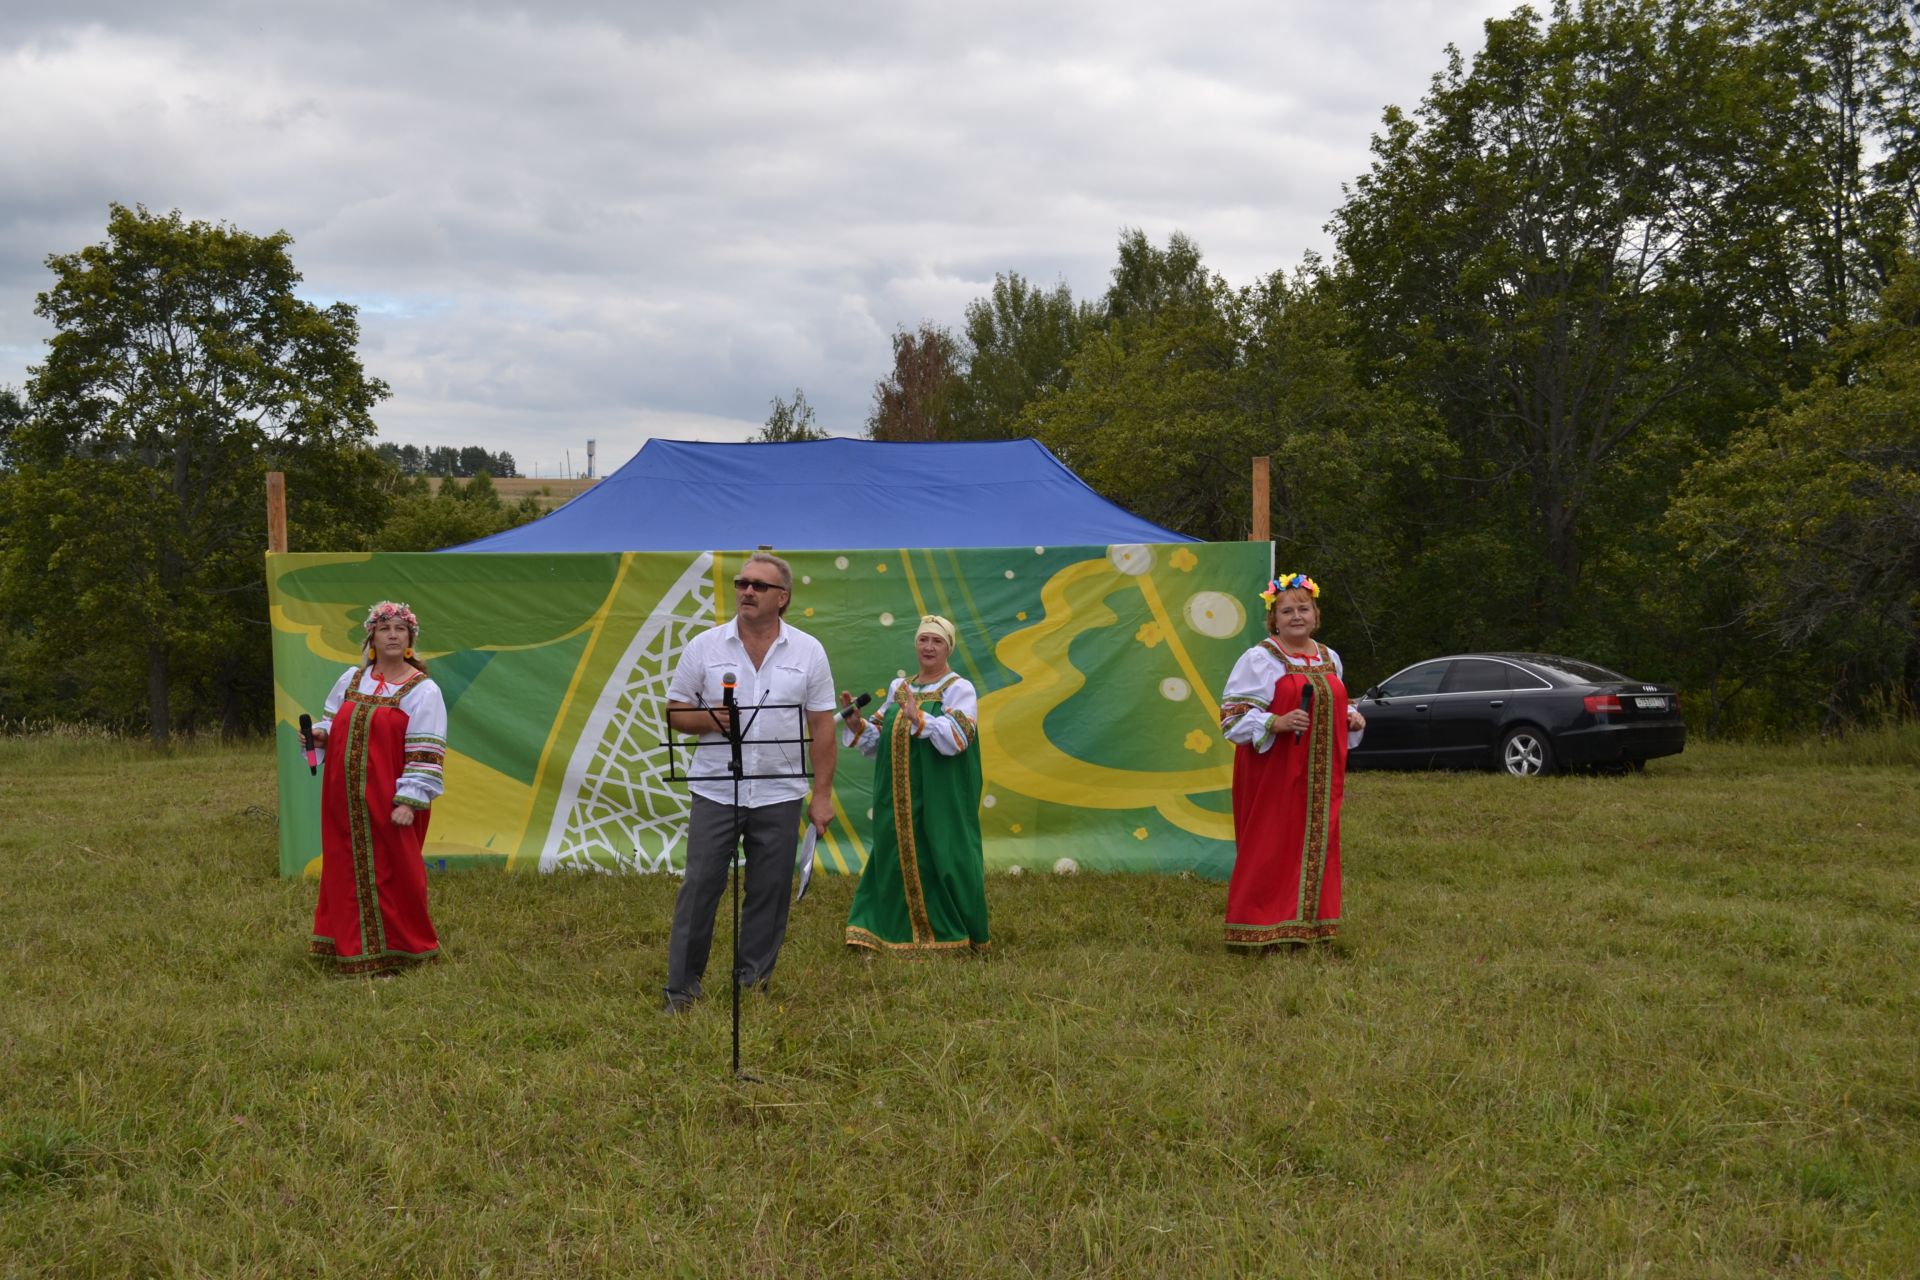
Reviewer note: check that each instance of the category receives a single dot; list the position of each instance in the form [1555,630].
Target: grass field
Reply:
[551,492]
[1661,1025]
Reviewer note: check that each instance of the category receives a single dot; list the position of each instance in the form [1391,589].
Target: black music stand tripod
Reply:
[736,736]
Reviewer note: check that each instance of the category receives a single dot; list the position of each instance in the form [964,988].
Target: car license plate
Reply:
[1650,704]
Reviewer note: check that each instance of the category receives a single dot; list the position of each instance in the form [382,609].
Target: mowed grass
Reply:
[1655,1025]
[552,492]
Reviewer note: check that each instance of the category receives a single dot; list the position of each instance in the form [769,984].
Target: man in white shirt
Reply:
[771,664]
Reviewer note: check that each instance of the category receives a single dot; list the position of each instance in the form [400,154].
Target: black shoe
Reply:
[678,1004]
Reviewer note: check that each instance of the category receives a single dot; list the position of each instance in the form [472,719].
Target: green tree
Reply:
[1573,252]
[1163,411]
[1014,349]
[1815,511]
[790,420]
[1147,282]
[182,368]
[1854,151]
[13,415]
[1149,414]
[426,518]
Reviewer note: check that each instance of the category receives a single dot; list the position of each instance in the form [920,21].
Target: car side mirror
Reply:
[1373,693]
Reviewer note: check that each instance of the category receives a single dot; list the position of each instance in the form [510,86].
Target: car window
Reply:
[1481,675]
[1576,670]
[1424,678]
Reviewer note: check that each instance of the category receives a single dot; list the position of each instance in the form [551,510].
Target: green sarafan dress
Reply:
[924,887]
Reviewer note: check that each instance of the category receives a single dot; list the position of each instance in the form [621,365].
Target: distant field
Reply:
[550,492]
[1660,1025]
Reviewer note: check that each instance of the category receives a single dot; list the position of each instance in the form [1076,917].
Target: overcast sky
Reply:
[631,220]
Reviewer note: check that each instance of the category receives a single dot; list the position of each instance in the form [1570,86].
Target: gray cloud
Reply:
[623,220]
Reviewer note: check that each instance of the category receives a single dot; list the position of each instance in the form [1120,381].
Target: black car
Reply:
[1527,713]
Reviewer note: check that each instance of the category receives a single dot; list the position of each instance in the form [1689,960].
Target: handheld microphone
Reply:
[306,741]
[728,700]
[1306,705]
[851,712]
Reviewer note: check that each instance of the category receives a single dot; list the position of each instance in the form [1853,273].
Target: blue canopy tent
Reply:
[835,494]
[1093,644]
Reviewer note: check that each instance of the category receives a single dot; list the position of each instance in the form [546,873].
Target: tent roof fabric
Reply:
[835,494]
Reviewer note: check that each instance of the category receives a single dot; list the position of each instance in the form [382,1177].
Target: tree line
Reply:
[182,369]
[445,460]
[1616,353]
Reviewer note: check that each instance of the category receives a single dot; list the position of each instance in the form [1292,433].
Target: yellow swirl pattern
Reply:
[1013,719]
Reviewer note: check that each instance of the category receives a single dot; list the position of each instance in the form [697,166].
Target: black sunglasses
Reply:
[754,584]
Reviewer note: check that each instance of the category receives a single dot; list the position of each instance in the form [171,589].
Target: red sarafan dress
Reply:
[386,745]
[1286,796]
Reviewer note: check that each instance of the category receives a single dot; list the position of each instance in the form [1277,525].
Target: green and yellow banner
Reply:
[1098,668]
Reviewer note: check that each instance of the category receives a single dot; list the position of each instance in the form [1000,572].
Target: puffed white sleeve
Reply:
[1353,735]
[422,780]
[864,735]
[331,707]
[1244,715]
[954,729]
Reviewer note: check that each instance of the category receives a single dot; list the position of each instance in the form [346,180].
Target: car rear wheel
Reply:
[1526,753]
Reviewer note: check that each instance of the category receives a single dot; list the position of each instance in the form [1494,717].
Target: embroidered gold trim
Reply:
[346,966]
[1245,935]
[858,937]
[1320,753]
[353,693]
[900,757]
[366,891]
[968,730]
[1317,657]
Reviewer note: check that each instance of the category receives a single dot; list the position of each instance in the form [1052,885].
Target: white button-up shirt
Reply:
[793,674]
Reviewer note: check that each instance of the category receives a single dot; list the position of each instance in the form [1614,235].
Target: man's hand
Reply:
[695,720]
[820,812]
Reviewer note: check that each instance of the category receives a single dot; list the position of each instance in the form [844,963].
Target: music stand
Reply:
[736,738]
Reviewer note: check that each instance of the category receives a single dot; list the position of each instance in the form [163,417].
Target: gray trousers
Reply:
[772,834]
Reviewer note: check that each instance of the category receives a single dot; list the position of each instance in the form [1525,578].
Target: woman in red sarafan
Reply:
[385,730]
[1285,710]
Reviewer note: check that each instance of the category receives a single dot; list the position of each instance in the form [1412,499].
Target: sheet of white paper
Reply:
[803,862]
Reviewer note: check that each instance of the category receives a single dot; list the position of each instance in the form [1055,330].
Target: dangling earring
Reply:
[409,653]
[369,651]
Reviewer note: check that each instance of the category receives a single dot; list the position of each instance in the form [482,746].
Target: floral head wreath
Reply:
[1290,582]
[392,611]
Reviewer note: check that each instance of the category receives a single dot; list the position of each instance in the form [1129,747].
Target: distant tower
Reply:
[589,459]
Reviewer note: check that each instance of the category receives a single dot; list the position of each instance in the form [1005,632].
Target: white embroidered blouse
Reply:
[1245,717]
[950,732]
[422,780]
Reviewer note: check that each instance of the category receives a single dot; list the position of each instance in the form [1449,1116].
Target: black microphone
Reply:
[852,709]
[306,742]
[1306,705]
[733,719]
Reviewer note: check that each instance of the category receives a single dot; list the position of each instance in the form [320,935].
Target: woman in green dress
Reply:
[924,887]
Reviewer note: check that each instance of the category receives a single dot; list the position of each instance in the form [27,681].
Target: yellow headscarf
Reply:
[938,625]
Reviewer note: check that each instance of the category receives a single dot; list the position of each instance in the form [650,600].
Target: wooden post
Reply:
[276,511]
[1261,525]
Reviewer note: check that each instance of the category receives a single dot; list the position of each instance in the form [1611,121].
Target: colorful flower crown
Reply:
[390,611]
[1290,582]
